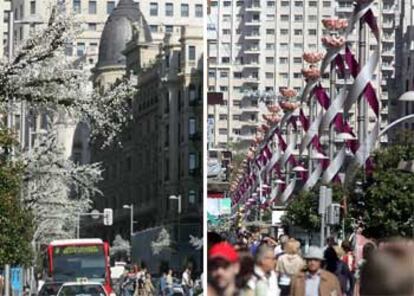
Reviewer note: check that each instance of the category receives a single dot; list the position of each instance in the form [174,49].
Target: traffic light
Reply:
[108,217]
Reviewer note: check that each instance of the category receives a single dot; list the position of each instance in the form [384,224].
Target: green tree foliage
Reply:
[15,222]
[386,205]
[302,210]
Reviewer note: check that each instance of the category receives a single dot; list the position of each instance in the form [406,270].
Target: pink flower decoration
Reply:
[273,108]
[312,57]
[288,93]
[335,24]
[289,106]
[250,155]
[312,73]
[260,129]
[332,41]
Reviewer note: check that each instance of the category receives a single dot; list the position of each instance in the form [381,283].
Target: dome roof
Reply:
[118,31]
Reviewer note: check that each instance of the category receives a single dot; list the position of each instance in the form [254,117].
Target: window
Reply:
[191,126]
[93,47]
[270,3]
[239,3]
[227,3]
[92,7]
[283,60]
[285,3]
[270,17]
[312,32]
[326,4]
[76,6]
[284,31]
[297,60]
[110,5]
[223,117]
[21,12]
[270,31]
[226,31]
[298,46]
[312,18]
[199,10]
[224,74]
[237,117]
[32,7]
[153,28]
[153,9]
[224,88]
[236,131]
[211,73]
[270,46]
[169,9]
[237,75]
[312,46]
[298,32]
[184,10]
[223,131]
[225,60]
[68,50]
[236,103]
[284,17]
[191,197]
[80,49]
[298,18]
[283,75]
[269,75]
[270,60]
[297,75]
[92,26]
[169,29]
[312,3]
[191,53]
[298,4]
[284,46]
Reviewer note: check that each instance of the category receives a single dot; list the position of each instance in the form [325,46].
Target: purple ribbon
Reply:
[303,120]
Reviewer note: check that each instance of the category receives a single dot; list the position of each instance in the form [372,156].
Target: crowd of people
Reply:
[138,282]
[254,264]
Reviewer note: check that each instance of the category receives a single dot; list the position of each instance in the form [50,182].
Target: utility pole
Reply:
[322,209]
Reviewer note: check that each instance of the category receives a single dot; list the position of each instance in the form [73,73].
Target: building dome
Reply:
[118,30]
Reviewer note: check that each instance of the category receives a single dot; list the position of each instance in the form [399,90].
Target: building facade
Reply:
[161,153]
[5,6]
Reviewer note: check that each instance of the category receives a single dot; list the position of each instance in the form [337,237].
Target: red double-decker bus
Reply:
[79,259]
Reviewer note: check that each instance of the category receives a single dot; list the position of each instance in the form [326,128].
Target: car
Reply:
[49,289]
[82,288]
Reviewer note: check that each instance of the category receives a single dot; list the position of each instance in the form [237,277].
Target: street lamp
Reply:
[131,225]
[178,198]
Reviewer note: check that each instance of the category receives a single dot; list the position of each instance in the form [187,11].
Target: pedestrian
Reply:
[163,284]
[341,270]
[223,266]
[348,258]
[367,251]
[289,264]
[170,282]
[279,250]
[187,282]
[264,280]
[149,288]
[314,280]
[246,272]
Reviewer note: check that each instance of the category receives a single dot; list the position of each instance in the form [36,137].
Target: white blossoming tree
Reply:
[41,76]
[162,243]
[120,246]
[196,242]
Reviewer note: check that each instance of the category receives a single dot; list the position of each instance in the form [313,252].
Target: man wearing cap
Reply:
[315,281]
[223,265]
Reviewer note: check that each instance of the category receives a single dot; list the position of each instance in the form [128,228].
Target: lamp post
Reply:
[130,207]
[177,198]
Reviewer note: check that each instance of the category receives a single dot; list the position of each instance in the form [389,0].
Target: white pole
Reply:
[132,222]
[7,280]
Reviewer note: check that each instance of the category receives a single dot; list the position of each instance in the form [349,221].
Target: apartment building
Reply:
[257,46]
[5,6]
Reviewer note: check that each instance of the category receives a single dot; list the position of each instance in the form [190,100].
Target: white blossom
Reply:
[196,242]
[162,243]
[119,245]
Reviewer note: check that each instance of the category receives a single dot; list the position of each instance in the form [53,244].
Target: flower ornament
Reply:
[335,24]
[312,73]
[259,138]
[273,108]
[313,57]
[288,93]
[265,127]
[289,106]
[272,118]
[250,155]
[333,41]
[260,129]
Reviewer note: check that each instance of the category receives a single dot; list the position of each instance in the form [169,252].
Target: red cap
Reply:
[223,251]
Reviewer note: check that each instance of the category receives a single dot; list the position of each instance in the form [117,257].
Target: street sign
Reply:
[108,217]
[95,214]
[322,200]
[334,214]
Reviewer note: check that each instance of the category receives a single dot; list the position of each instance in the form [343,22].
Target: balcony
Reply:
[249,123]
[388,52]
[250,109]
[255,36]
[253,6]
[345,8]
[387,67]
[250,80]
[252,23]
[388,25]
[246,137]
[388,38]
[252,50]
[252,65]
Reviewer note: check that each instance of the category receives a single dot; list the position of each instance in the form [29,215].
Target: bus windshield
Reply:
[71,262]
